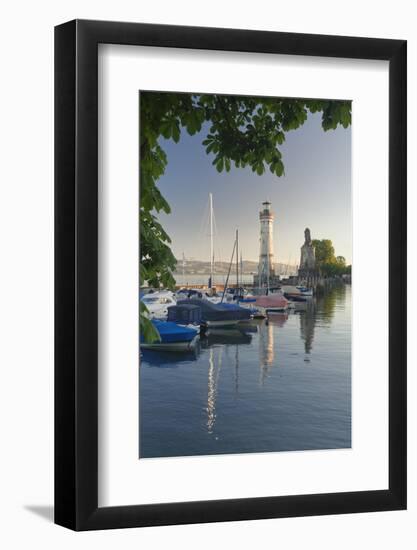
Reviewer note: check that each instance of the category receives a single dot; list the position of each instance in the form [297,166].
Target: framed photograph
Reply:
[230,244]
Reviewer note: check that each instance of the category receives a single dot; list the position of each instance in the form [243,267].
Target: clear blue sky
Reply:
[315,192]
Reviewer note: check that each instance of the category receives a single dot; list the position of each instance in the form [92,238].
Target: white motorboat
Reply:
[157,303]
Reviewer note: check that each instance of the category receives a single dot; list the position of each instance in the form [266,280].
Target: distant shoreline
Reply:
[248,268]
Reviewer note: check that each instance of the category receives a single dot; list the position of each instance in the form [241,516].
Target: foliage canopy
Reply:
[326,261]
[238,131]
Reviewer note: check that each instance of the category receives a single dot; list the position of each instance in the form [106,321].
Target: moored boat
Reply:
[297,293]
[157,303]
[173,337]
[270,303]
[185,293]
[220,315]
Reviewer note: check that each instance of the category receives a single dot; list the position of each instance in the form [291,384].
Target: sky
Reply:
[315,192]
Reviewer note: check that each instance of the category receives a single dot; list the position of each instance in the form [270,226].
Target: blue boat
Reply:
[174,337]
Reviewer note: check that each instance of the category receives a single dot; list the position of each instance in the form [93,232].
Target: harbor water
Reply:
[277,385]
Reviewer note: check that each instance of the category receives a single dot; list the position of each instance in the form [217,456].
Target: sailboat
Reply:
[201,293]
[219,312]
[236,297]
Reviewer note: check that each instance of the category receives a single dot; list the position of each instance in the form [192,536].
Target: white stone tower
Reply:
[266,253]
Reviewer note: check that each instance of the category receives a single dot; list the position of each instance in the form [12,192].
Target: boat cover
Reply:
[184,314]
[271,300]
[171,332]
[220,312]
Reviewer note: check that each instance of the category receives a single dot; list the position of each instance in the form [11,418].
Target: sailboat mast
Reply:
[228,272]
[211,239]
[237,258]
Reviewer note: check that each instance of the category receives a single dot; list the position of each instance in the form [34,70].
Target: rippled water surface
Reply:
[282,385]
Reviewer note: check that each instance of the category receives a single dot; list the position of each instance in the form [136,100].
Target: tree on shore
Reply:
[324,251]
[326,261]
[239,131]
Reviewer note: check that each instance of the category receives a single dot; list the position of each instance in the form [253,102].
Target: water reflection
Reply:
[230,339]
[214,340]
[228,395]
[320,310]
[329,302]
[213,379]
[266,331]
[236,371]
[266,344]
[307,325]
[227,336]
[168,359]
[277,319]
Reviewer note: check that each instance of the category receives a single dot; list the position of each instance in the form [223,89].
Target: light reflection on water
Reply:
[279,385]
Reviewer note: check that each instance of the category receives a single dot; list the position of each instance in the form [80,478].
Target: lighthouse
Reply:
[266,254]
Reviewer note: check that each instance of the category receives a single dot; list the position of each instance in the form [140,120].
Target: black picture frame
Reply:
[76,272]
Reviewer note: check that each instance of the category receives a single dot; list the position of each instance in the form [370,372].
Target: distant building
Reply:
[266,272]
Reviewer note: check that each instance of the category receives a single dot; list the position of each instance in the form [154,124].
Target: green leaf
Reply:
[149,331]
[176,133]
[280,138]
[279,169]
